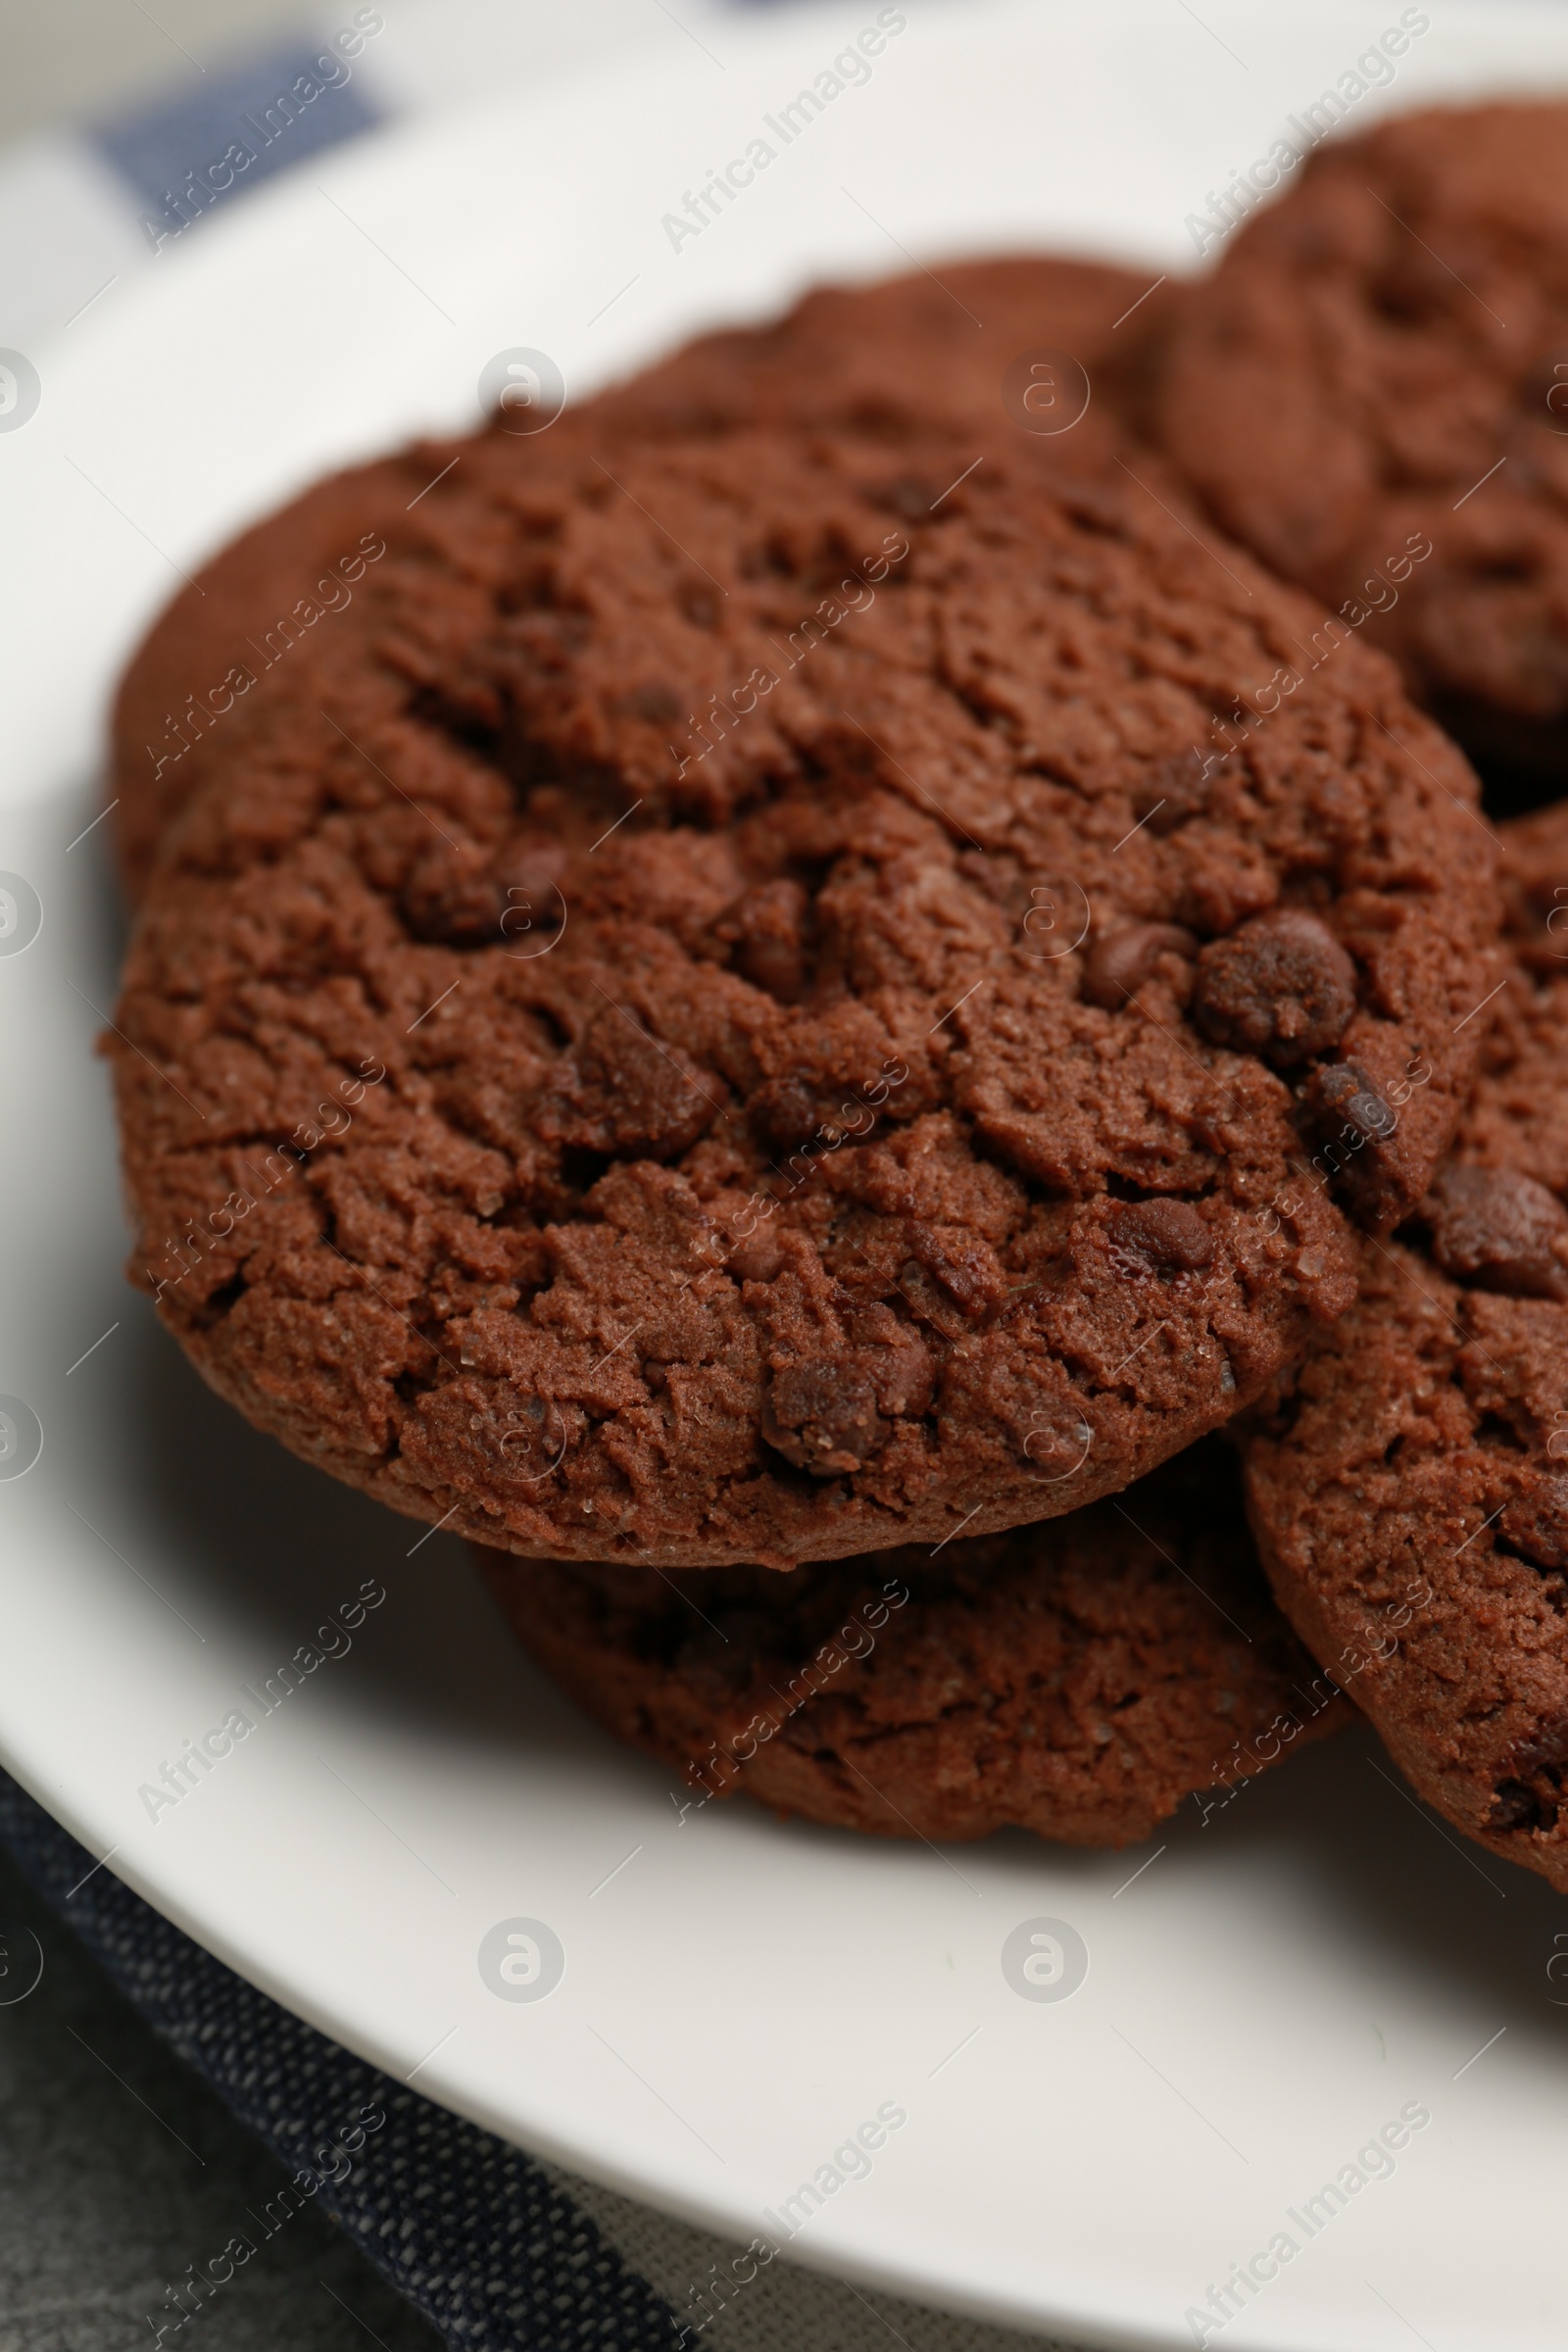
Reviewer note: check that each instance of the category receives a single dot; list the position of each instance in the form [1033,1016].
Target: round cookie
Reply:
[1371,391]
[877,359]
[777,1012]
[1079,1679]
[1411,1496]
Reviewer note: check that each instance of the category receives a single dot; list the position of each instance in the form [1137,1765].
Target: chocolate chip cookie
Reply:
[1411,1496]
[877,359]
[777,1001]
[1371,391]
[1078,1679]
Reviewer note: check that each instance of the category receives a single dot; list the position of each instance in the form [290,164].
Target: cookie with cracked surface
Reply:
[1079,1679]
[1411,1496]
[831,1014]
[1371,391]
[878,359]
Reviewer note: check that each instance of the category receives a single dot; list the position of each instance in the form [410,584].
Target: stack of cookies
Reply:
[864,1041]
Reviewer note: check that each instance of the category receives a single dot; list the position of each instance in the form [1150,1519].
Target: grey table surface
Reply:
[118,2168]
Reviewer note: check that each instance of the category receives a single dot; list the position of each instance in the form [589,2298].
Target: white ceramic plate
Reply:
[738,1996]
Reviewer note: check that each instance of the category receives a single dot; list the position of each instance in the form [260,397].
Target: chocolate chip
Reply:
[1353,1128]
[1281,986]
[822,1416]
[627,1094]
[1167,1237]
[1343,1092]
[1500,1230]
[1118,964]
[462,897]
[1515,1806]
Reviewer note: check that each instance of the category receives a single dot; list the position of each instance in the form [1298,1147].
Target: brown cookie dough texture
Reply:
[1411,1497]
[1371,391]
[1078,1679]
[881,360]
[607,1061]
